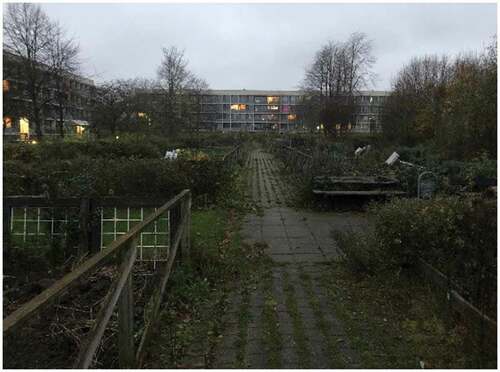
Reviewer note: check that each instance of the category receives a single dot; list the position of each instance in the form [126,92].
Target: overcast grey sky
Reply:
[264,46]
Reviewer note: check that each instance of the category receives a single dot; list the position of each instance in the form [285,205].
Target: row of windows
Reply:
[247,108]
[249,117]
[249,99]
[256,125]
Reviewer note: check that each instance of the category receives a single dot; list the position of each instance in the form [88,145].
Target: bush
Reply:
[456,236]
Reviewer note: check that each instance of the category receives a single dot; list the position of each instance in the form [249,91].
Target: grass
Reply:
[193,319]
[391,322]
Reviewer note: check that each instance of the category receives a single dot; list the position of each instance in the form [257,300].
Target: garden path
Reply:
[286,320]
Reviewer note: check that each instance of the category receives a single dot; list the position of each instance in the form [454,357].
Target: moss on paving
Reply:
[334,354]
[300,338]
[273,341]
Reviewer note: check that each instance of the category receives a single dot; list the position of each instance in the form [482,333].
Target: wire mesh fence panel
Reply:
[31,224]
[154,242]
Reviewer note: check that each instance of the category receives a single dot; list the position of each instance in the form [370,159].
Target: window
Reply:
[79,129]
[24,128]
[292,117]
[273,108]
[271,100]
[6,85]
[235,99]
[7,122]
[260,99]
[238,107]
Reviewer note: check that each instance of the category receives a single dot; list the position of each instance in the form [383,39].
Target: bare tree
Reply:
[177,85]
[339,70]
[63,62]
[111,105]
[27,34]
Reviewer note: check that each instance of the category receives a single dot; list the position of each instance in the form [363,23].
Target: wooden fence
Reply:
[472,316]
[294,159]
[88,208]
[120,293]
[234,156]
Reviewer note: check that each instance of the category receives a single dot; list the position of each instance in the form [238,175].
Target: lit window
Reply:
[273,100]
[141,114]
[24,128]
[7,122]
[79,129]
[292,117]
[238,107]
[273,108]
[6,85]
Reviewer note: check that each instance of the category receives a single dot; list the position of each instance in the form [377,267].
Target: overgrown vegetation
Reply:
[130,166]
[192,320]
[456,236]
[449,104]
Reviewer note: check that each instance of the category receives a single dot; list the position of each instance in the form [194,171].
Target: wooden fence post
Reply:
[186,220]
[7,211]
[94,227]
[84,244]
[126,348]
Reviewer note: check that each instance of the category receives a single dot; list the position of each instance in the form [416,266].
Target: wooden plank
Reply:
[436,277]
[93,339]
[359,193]
[157,297]
[40,201]
[126,318]
[7,211]
[471,314]
[464,307]
[61,286]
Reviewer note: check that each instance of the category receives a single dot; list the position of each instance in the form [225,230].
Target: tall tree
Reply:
[63,62]
[413,111]
[177,85]
[27,34]
[339,70]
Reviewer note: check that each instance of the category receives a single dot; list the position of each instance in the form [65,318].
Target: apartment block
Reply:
[276,110]
[79,100]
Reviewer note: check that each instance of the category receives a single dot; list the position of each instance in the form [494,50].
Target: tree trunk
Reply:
[60,124]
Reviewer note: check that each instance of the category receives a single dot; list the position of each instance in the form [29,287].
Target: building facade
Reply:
[79,93]
[279,111]
[250,110]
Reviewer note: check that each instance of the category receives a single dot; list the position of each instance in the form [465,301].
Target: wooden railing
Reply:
[120,293]
[295,160]
[234,156]
[472,316]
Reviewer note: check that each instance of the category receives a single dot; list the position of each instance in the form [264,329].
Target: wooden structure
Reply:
[472,316]
[120,293]
[356,186]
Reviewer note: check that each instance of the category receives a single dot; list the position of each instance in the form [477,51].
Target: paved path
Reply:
[286,320]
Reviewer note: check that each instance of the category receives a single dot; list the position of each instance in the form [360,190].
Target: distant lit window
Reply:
[238,107]
[292,117]
[7,122]
[24,128]
[273,108]
[6,85]
[371,99]
[79,129]
[271,100]
[142,115]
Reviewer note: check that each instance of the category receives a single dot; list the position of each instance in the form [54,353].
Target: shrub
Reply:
[456,236]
